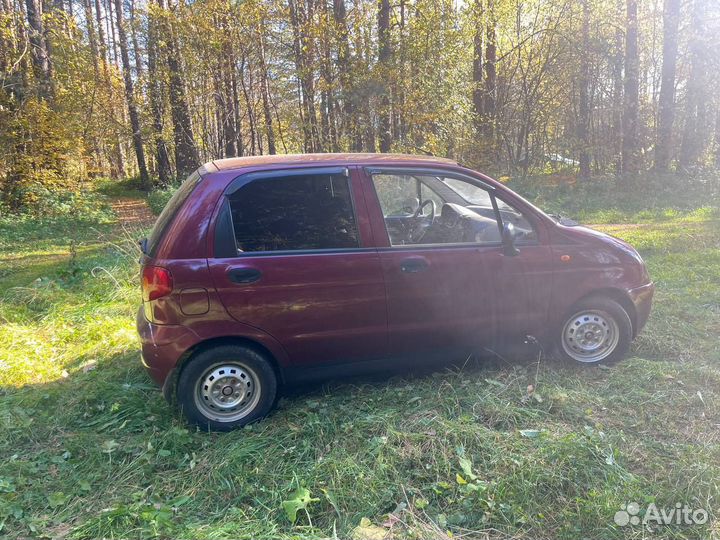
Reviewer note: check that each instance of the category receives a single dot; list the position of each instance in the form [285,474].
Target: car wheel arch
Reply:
[211,343]
[619,296]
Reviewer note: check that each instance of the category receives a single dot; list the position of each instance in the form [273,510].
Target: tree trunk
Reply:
[255,135]
[265,92]
[130,97]
[186,154]
[630,143]
[666,105]
[112,37]
[155,94]
[694,135]
[478,94]
[227,114]
[488,124]
[102,47]
[717,139]
[583,131]
[92,38]
[344,65]
[617,99]
[328,95]
[117,156]
[384,55]
[301,14]
[39,50]
[133,35]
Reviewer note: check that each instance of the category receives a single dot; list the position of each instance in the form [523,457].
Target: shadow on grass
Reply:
[422,367]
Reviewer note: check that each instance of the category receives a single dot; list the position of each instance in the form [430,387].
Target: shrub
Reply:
[157,199]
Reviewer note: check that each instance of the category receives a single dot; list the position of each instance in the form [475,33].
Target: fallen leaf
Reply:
[89,366]
[367,531]
[109,446]
[466,466]
[299,500]
[56,499]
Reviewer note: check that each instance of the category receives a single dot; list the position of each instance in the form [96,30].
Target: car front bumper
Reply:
[642,300]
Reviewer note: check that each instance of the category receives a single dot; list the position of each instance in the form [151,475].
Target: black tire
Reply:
[604,319]
[204,383]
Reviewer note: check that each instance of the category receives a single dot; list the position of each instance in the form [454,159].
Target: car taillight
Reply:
[156,283]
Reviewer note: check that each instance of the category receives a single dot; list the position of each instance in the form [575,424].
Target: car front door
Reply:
[449,283]
[293,257]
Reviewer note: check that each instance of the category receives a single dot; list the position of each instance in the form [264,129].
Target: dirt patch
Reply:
[132,212]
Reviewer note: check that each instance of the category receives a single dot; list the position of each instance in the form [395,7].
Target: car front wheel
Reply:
[226,387]
[597,330]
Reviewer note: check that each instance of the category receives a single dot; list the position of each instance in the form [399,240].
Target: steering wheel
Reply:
[418,230]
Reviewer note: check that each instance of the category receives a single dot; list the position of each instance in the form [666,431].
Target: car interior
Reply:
[435,210]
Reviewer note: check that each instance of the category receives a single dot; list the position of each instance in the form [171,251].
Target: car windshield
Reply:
[472,194]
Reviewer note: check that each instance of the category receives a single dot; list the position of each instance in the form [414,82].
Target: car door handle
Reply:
[244,275]
[414,265]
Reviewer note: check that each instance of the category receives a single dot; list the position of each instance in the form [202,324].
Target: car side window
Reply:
[440,216]
[398,193]
[290,213]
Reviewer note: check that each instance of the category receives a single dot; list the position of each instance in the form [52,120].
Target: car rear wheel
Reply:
[596,330]
[226,387]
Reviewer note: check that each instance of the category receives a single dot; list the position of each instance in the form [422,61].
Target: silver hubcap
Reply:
[590,336]
[227,392]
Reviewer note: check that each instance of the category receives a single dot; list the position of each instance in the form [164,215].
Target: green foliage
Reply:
[126,187]
[40,158]
[158,198]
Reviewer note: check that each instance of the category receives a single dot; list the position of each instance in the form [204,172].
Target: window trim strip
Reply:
[429,171]
[245,178]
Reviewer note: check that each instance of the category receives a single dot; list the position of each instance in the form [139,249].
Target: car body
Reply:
[320,262]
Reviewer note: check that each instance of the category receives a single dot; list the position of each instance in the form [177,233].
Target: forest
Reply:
[151,89]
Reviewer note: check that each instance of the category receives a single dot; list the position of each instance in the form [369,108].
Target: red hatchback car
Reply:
[261,271]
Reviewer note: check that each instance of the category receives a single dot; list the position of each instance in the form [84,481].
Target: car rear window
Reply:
[171,208]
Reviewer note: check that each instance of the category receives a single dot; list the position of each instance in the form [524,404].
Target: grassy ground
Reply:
[89,449]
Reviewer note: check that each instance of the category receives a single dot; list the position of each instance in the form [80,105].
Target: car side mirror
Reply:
[509,236]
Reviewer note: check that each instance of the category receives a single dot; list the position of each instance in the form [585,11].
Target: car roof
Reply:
[312,159]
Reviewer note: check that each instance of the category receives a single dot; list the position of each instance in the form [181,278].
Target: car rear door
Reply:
[294,257]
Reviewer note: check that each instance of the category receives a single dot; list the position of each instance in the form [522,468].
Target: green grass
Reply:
[649,199]
[89,449]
